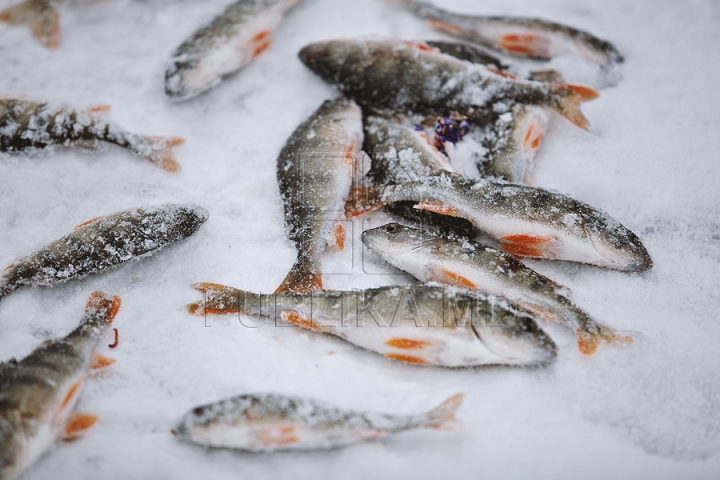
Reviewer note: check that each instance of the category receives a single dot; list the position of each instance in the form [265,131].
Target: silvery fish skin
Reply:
[38,394]
[41,18]
[412,77]
[268,422]
[467,264]
[225,45]
[315,170]
[530,37]
[104,243]
[27,125]
[421,325]
[526,221]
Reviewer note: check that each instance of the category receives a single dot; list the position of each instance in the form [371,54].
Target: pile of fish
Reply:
[409,105]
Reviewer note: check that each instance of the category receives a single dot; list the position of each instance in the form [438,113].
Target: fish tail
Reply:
[443,416]
[364,199]
[590,340]
[571,96]
[217,300]
[104,305]
[40,17]
[304,277]
[158,150]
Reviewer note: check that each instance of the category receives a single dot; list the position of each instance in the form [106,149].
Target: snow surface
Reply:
[650,160]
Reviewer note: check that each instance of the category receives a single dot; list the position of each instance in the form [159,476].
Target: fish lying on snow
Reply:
[529,37]
[315,170]
[27,125]
[40,16]
[104,243]
[270,422]
[38,394]
[468,264]
[443,327]
[527,221]
[413,77]
[224,46]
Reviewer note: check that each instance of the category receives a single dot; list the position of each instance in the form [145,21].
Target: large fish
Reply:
[528,37]
[436,326]
[315,170]
[527,221]
[413,77]
[270,422]
[104,243]
[27,125]
[40,16]
[38,394]
[224,46]
[467,264]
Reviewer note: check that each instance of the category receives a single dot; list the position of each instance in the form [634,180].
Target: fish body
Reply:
[413,77]
[104,243]
[270,422]
[315,171]
[527,221]
[27,125]
[468,264]
[422,325]
[40,16]
[227,44]
[38,394]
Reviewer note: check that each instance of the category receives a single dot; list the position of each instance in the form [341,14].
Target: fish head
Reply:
[621,247]
[395,239]
[335,60]
[188,77]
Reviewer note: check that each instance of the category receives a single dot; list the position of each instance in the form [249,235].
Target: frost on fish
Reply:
[527,221]
[227,44]
[471,265]
[268,422]
[38,393]
[104,243]
[27,125]
[40,16]
[420,325]
[412,77]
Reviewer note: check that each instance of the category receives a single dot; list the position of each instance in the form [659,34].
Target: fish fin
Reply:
[364,199]
[407,358]
[529,44]
[542,313]
[501,73]
[101,361]
[100,108]
[443,416]
[407,343]
[99,301]
[440,208]
[219,300]
[44,23]
[443,275]
[277,436]
[304,277]
[78,423]
[9,267]
[74,388]
[261,48]
[337,237]
[525,245]
[292,317]
[571,98]
[157,150]
[260,36]
[589,342]
[87,223]
[444,26]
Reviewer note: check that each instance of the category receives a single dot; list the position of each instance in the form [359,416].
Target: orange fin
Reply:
[340,236]
[261,36]
[158,150]
[304,277]
[571,98]
[99,301]
[40,17]
[444,26]
[78,423]
[9,267]
[588,343]
[71,393]
[443,416]
[526,44]
[277,436]
[261,48]
[99,108]
[501,73]
[443,275]
[524,245]
[219,300]
[87,223]
[363,199]
[439,208]
[101,361]
[422,46]
[292,317]
[406,358]
[407,343]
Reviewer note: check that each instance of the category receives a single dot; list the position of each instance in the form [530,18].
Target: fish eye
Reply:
[526,324]
[392,227]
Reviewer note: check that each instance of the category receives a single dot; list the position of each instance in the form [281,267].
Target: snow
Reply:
[647,411]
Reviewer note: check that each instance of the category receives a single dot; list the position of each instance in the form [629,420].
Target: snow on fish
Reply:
[38,394]
[268,422]
[103,243]
[40,16]
[27,125]
[421,325]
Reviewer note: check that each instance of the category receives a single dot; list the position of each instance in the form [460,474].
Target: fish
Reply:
[468,264]
[268,422]
[40,16]
[524,37]
[419,325]
[104,243]
[415,78]
[315,171]
[28,125]
[224,46]
[527,221]
[38,394]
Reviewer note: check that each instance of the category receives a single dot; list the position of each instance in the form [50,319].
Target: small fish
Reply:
[315,171]
[467,264]
[268,422]
[527,221]
[103,243]
[413,77]
[526,37]
[421,325]
[27,125]
[225,45]
[38,394]
[40,16]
